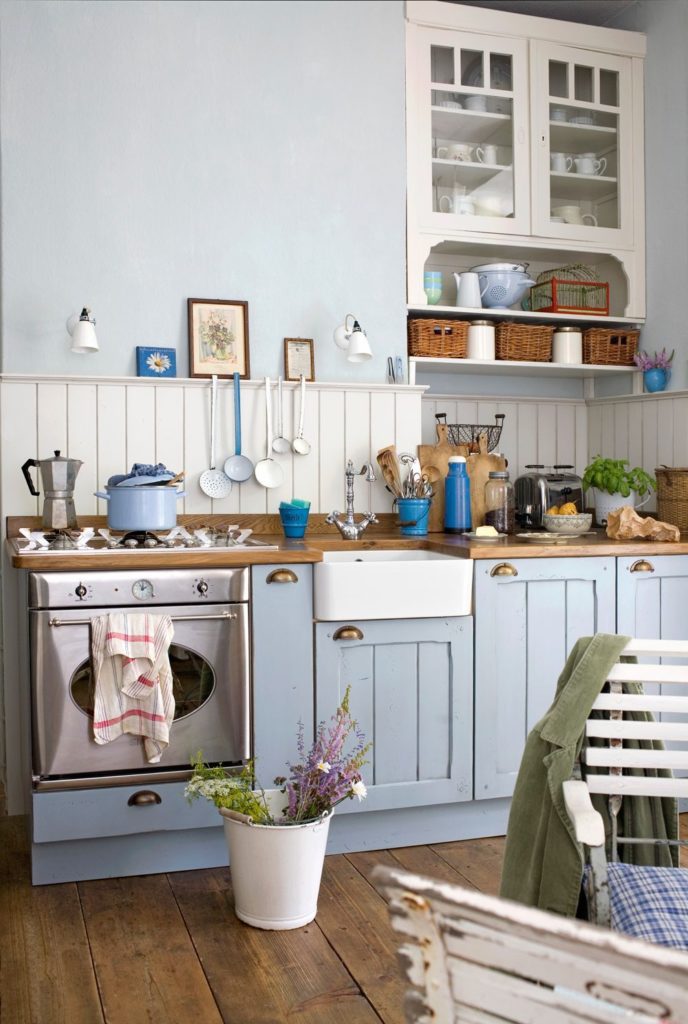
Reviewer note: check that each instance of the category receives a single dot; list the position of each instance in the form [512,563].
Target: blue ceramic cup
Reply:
[294,520]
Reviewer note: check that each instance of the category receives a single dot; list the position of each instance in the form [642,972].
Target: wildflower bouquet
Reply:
[644,361]
[323,777]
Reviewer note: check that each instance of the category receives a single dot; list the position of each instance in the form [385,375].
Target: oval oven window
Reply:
[193,682]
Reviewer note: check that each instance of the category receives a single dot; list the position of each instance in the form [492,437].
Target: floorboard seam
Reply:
[90,953]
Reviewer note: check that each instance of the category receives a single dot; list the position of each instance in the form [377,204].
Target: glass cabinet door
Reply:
[470,168]
[583,168]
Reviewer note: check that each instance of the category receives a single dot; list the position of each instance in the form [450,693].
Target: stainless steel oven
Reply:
[209,658]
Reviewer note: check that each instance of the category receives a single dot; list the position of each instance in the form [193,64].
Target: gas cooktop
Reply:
[178,539]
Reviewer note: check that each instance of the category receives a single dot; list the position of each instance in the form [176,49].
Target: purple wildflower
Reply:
[660,361]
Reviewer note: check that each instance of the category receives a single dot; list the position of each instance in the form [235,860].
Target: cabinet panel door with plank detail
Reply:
[412,696]
[526,623]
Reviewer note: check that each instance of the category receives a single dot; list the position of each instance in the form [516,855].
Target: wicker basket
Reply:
[603,346]
[526,342]
[672,497]
[438,338]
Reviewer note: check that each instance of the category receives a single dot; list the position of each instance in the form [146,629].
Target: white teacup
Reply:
[589,165]
[455,151]
[450,104]
[573,215]
[486,154]
[560,162]
[475,103]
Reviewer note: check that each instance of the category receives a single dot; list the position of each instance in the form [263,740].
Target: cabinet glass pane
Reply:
[472,72]
[583,84]
[609,88]
[442,64]
[584,186]
[500,71]
[558,79]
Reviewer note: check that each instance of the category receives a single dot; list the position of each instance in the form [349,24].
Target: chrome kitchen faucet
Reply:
[348,527]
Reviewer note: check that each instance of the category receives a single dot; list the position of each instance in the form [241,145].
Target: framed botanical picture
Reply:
[298,359]
[156,362]
[218,337]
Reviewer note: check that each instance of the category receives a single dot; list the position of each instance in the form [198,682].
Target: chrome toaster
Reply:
[540,488]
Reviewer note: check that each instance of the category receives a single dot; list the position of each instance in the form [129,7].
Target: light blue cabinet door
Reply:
[412,695]
[282,678]
[525,626]
[653,597]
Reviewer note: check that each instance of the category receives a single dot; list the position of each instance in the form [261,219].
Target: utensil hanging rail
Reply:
[175,618]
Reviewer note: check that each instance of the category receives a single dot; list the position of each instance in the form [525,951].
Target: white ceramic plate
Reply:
[551,538]
[581,120]
[487,539]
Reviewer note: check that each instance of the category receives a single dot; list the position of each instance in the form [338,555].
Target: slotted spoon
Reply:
[214,482]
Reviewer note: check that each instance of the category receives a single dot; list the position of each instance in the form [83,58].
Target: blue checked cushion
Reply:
[650,903]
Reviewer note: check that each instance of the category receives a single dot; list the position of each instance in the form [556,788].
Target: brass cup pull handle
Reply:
[144,798]
[347,633]
[503,569]
[282,576]
[642,566]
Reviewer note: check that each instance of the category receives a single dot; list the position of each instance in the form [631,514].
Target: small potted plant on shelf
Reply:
[656,368]
[615,486]
[277,838]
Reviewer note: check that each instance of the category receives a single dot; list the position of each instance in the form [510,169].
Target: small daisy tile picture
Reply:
[156,362]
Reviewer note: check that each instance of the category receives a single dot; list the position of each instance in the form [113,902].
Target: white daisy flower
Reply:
[359,789]
[324,766]
[158,362]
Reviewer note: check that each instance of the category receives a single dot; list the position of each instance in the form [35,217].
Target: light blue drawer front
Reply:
[90,813]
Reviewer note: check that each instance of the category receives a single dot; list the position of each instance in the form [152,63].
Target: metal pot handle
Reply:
[101,494]
[27,477]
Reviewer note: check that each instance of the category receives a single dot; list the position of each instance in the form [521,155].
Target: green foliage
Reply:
[611,475]
[229,788]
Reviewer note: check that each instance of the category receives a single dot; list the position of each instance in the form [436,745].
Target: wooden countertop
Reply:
[311,548]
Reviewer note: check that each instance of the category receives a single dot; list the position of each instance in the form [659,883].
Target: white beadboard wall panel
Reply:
[551,432]
[110,423]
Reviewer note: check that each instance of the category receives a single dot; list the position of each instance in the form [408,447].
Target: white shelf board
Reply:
[594,187]
[515,368]
[521,314]
[467,172]
[473,126]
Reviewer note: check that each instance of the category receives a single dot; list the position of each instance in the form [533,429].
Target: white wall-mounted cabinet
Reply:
[521,136]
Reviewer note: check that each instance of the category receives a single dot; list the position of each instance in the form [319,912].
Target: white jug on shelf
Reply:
[468,290]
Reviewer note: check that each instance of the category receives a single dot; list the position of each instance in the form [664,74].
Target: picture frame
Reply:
[298,359]
[153,361]
[218,337]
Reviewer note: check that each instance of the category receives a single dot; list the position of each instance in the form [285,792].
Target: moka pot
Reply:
[59,477]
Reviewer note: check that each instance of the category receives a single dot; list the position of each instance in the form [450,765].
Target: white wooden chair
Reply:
[647,902]
[477,959]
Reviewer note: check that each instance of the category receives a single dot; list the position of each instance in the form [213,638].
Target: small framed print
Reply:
[298,359]
[218,337]
[156,362]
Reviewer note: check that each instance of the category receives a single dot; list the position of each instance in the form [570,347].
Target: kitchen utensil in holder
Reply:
[469,433]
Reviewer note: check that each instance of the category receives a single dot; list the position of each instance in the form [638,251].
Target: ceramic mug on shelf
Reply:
[589,165]
[458,203]
[450,104]
[574,215]
[560,162]
[455,151]
[558,114]
[475,103]
[432,286]
[486,154]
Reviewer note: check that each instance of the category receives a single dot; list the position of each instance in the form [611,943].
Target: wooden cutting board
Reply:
[479,467]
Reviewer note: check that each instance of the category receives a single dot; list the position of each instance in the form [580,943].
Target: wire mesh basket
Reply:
[469,433]
[565,295]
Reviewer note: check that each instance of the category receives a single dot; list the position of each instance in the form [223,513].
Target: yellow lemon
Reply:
[569,509]
[553,511]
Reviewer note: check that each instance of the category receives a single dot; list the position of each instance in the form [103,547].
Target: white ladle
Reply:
[238,467]
[280,443]
[301,446]
[268,472]
[214,482]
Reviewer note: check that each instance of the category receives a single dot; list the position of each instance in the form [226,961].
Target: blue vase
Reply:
[655,379]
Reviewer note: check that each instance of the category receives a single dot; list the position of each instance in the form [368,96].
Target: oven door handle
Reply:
[175,618]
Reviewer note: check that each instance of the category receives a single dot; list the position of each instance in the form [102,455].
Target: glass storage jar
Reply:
[499,502]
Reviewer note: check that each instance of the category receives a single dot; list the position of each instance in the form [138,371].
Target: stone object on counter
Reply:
[625,524]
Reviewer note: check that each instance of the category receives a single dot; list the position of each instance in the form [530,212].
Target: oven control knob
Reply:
[80,591]
[202,587]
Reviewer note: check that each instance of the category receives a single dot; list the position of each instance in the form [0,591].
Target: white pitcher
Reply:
[606,503]
[468,290]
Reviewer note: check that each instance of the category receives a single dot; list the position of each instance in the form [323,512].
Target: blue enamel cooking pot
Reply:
[141,508]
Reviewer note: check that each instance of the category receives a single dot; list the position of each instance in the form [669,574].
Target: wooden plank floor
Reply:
[167,949]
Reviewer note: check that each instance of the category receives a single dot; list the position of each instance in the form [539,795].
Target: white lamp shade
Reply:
[83,332]
[359,348]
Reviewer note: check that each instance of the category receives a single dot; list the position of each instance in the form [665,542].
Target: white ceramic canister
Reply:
[481,339]
[567,345]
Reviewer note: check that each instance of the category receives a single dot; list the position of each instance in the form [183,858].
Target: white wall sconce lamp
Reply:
[350,337]
[83,332]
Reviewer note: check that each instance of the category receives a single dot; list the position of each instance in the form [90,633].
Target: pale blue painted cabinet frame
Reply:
[412,695]
[525,627]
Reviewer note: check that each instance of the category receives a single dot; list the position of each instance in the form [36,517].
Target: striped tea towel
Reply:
[133,679]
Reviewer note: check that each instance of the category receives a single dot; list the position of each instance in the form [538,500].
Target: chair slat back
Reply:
[477,959]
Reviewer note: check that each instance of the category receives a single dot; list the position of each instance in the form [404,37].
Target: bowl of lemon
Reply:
[566,520]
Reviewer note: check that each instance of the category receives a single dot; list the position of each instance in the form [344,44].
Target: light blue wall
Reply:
[153,151]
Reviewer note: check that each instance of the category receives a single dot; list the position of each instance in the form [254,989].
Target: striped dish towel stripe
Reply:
[133,679]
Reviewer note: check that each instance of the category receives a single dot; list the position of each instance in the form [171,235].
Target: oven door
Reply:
[209,662]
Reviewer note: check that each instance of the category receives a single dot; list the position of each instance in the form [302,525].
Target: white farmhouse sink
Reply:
[394,584]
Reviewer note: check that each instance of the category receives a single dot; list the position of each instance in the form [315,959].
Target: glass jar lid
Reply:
[481,323]
[498,474]
[568,329]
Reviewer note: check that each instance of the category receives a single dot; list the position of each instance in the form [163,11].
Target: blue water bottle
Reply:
[457,497]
